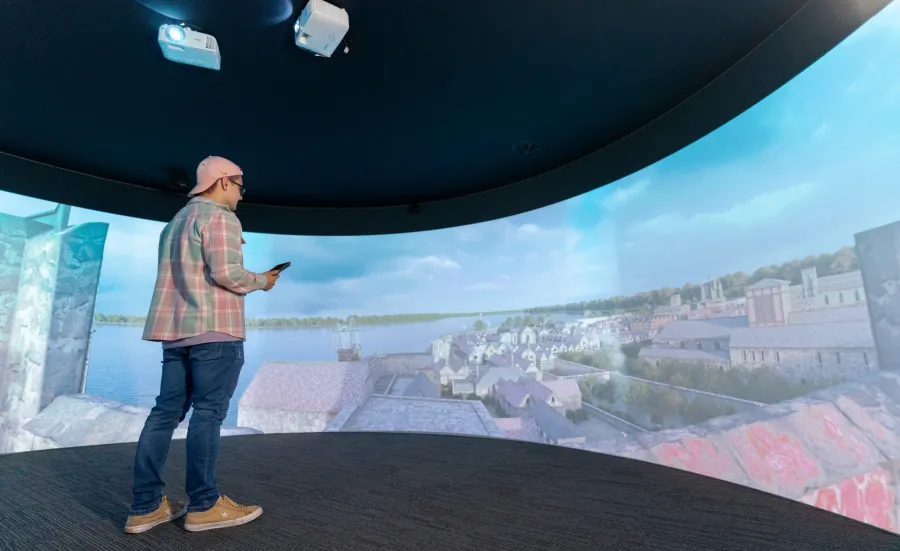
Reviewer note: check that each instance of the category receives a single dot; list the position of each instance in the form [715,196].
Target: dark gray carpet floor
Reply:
[397,492]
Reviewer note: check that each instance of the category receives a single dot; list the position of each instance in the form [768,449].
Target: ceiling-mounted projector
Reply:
[182,44]
[321,27]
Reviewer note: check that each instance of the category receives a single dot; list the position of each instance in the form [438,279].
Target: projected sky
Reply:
[776,183]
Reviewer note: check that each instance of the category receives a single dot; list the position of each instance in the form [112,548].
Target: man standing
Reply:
[197,312]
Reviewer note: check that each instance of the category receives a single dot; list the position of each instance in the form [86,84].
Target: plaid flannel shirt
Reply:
[201,280]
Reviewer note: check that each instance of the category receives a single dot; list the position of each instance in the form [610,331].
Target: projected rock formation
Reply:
[878,250]
[85,420]
[49,273]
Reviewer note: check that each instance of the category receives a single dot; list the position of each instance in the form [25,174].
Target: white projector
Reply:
[321,27]
[185,45]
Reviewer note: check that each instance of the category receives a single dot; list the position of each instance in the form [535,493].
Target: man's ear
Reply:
[242,241]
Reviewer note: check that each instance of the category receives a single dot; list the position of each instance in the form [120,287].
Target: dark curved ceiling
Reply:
[425,109]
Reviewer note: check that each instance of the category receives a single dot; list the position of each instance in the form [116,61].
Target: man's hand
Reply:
[271,277]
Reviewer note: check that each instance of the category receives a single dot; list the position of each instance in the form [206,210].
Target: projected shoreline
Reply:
[731,310]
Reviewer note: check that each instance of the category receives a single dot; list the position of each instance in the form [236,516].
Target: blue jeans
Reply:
[203,376]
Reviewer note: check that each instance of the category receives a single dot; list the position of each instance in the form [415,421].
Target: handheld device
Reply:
[281,267]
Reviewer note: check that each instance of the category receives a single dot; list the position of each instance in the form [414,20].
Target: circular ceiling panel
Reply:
[469,110]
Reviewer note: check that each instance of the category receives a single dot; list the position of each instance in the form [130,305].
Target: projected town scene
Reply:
[731,310]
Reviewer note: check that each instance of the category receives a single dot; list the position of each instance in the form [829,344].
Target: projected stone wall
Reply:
[879,259]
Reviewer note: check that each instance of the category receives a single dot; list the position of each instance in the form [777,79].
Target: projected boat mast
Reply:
[345,337]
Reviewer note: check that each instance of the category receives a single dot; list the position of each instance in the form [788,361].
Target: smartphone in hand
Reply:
[281,267]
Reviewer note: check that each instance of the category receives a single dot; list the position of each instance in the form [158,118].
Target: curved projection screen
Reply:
[731,310]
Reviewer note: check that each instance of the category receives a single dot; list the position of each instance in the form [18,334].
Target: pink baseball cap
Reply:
[210,170]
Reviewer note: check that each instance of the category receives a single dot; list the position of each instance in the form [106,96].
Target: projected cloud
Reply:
[666,317]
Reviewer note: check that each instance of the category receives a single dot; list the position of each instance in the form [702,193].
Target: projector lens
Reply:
[175,33]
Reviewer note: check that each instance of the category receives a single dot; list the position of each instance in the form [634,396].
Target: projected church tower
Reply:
[49,273]
[712,291]
[768,303]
